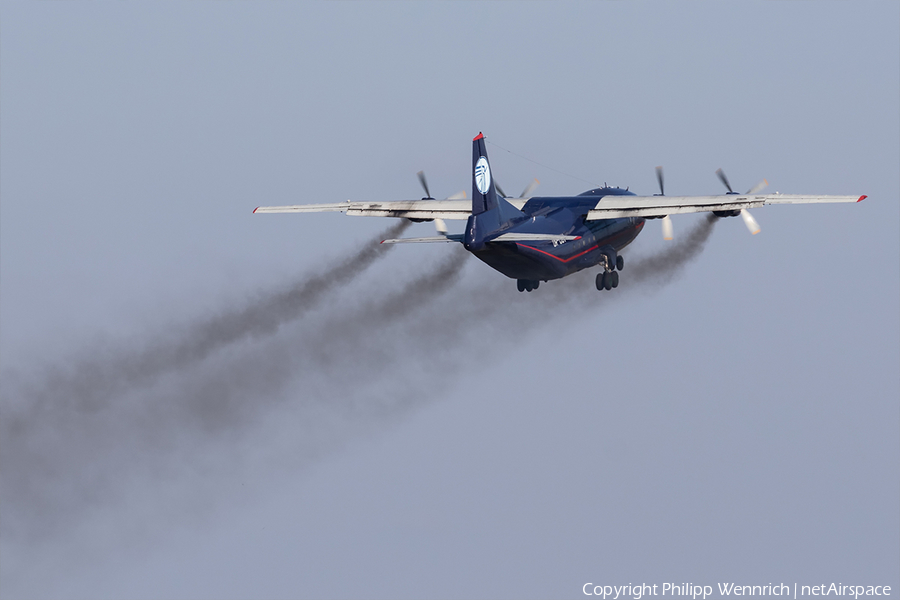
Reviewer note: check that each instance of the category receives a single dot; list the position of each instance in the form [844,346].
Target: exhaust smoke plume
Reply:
[663,266]
[93,381]
[60,458]
[359,364]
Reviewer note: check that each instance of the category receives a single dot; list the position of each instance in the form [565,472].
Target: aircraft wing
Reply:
[609,207]
[410,209]
[612,207]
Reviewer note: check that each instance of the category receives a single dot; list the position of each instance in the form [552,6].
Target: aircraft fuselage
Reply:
[546,260]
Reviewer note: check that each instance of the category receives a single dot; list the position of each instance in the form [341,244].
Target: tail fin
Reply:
[484,195]
[490,211]
[484,191]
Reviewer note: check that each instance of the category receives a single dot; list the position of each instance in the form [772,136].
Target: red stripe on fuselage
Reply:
[562,260]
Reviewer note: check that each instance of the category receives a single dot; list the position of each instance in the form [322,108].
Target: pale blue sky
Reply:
[738,423]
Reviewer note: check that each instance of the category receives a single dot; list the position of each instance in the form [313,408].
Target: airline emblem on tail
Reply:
[482,175]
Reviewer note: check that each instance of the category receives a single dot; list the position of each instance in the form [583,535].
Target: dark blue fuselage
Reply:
[546,260]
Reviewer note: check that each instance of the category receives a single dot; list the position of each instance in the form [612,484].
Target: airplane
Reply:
[535,239]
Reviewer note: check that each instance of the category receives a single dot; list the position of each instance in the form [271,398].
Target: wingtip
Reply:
[861,198]
[255,209]
[478,137]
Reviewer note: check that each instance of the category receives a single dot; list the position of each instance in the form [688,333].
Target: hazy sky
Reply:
[198,402]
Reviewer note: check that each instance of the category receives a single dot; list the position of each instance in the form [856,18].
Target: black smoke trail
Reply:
[376,359]
[93,381]
[57,464]
[664,265]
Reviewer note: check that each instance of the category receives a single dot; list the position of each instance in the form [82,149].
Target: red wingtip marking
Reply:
[381,242]
[478,137]
[255,209]
[861,198]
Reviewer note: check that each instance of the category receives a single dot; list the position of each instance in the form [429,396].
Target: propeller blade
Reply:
[659,178]
[499,189]
[667,230]
[458,196]
[526,193]
[441,227]
[724,179]
[749,221]
[424,183]
[762,184]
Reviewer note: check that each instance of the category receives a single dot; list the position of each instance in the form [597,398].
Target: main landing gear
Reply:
[608,279]
[526,285]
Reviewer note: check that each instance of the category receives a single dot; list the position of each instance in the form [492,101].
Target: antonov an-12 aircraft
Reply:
[538,238]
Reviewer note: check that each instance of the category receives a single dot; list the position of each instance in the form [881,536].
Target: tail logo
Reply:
[482,175]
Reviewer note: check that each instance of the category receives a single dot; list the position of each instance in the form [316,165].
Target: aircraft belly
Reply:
[544,261]
[540,261]
[509,259]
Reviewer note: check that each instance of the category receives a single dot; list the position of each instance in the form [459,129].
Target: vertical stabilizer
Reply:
[490,211]
[484,194]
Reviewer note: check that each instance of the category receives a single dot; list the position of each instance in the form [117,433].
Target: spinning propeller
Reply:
[526,193]
[438,223]
[424,182]
[749,221]
[457,196]
[667,229]
[532,185]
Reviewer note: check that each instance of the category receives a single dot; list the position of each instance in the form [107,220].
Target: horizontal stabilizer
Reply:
[534,237]
[426,240]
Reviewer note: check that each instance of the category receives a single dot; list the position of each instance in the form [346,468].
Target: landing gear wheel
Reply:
[520,283]
[528,286]
[537,284]
[620,263]
[607,280]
